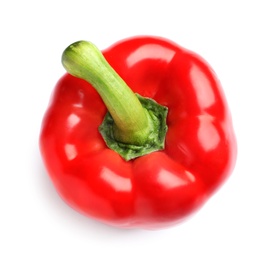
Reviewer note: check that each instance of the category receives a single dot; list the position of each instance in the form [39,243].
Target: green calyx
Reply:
[156,139]
[134,125]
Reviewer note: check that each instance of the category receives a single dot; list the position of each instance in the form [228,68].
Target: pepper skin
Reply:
[159,189]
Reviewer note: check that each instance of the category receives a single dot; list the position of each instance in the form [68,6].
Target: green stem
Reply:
[134,126]
[83,60]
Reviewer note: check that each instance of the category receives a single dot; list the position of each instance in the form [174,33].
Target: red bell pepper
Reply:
[134,167]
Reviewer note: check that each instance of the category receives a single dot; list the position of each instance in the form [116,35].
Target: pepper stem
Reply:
[134,126]
[83,60]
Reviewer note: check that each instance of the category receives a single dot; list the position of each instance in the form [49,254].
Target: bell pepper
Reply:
[139,135]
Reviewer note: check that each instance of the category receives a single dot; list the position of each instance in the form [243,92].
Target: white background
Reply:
[236,37]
